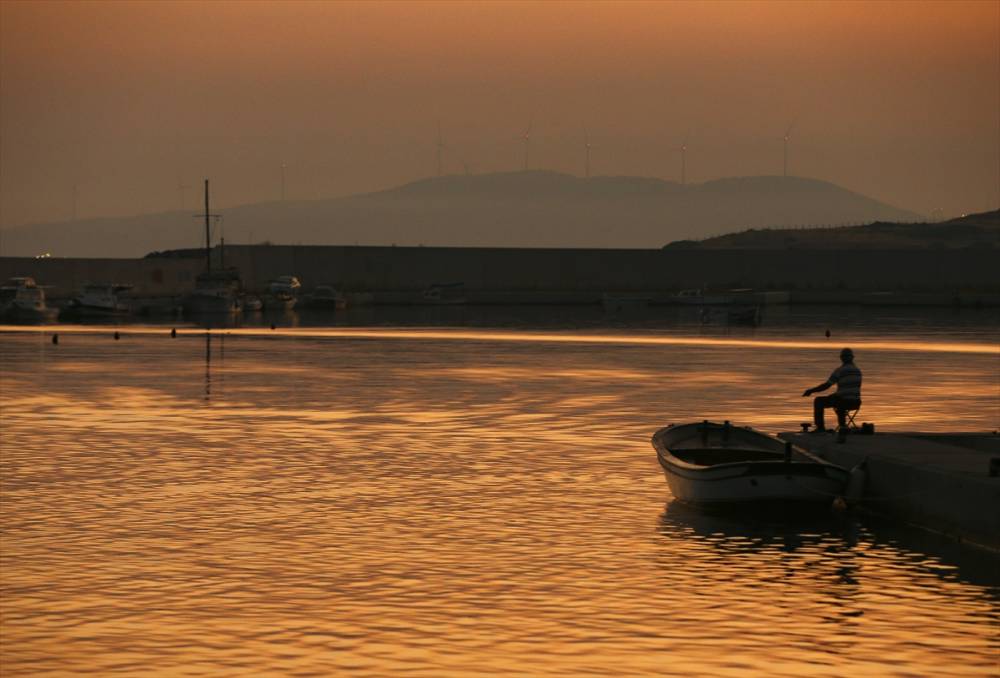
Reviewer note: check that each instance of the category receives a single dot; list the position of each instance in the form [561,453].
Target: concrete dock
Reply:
[937,481]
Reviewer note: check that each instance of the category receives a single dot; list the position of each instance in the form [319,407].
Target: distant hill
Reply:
[515,209]
[972,230]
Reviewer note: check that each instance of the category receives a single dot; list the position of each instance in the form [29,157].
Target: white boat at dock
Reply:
[23,300]
[97,300]
[708,463]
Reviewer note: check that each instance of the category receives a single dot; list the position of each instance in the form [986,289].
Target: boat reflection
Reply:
[828,542]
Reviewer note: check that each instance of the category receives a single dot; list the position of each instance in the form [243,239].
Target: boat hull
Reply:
[212,305]
[78,311]
[757,483]
[326,304]
[20,314]
[740,466]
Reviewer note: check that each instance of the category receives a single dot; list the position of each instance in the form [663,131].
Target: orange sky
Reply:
[897,100]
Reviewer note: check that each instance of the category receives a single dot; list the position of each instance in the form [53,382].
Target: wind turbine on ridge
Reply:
[439,147]
[587,145]
[788,135]
[182,188]
[526,137]
[683,150]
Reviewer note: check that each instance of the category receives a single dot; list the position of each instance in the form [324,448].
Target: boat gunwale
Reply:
[664,453]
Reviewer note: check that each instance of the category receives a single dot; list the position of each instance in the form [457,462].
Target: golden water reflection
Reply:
[376,506]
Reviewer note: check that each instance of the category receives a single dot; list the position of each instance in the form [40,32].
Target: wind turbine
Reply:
[440,146]
[683,150]
[181,188]
[788,135]
[587,145]
[526,137]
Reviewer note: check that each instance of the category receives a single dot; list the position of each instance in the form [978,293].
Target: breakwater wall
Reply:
[578,275]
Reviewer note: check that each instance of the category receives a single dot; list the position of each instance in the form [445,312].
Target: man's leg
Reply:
[820,403]
[841,409]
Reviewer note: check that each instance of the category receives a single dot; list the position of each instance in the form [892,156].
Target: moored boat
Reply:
[23,300]
[620,303]
[721,464]
[749,315]
[698,297]
[97,300]
[444,293]
[324,297]
[252,303]
[216,290]
[282,293]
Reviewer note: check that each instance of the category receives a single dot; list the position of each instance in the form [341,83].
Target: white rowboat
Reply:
[719,464]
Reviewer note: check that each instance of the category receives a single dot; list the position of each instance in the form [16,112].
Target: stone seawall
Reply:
[581,274]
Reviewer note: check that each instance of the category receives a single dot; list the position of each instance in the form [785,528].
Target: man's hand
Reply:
[807,392]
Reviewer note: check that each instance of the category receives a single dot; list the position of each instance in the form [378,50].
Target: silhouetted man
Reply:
[847,377]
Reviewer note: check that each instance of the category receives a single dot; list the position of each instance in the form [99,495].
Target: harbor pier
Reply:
[944,482]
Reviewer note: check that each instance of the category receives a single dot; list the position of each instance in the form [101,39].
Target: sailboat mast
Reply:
[208,242]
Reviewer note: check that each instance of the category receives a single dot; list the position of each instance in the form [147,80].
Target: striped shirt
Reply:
[847,377]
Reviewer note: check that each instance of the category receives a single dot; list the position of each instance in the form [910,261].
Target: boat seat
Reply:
[724,455]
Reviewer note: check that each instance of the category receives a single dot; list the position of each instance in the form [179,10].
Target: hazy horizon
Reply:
[119,109]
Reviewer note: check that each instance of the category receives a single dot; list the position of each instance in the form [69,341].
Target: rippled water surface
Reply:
[397,500]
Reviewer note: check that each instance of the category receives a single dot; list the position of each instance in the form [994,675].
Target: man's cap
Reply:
[846,353]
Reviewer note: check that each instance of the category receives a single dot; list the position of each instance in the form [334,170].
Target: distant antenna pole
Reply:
[683,149]
[182,191]
[283,166]
[586,144]
[439,149]
[75,192]
[208,233]
[788,135]
[527,143]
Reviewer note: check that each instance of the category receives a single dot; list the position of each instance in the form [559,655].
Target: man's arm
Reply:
[822,387]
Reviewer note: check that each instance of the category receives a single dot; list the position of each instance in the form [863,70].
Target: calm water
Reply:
[480,499]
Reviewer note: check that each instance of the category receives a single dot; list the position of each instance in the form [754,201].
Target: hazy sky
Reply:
[128,101]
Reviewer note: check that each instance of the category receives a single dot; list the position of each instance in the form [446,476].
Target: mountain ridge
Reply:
[535,208]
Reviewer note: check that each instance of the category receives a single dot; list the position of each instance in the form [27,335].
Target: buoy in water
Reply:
[173,332]
[117,336]
[828,334]
[55,338]
[272,326]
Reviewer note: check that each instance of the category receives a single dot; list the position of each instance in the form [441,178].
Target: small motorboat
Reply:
[720,464]
[749,315]
[252,303]
[23,300]
[282,293]
[699,297]
[444,293]
[623,303]
[325,298]
[98,300]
